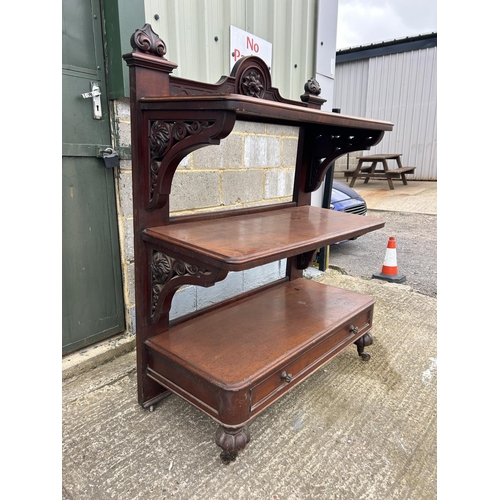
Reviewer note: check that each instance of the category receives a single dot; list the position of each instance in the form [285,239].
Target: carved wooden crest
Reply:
[252,77]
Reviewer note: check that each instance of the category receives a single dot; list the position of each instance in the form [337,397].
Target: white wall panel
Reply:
[189,28]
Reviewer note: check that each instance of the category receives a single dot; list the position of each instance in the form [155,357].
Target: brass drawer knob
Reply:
[287,377]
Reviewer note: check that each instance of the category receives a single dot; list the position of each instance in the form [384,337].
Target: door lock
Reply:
[110,157]
[95,93]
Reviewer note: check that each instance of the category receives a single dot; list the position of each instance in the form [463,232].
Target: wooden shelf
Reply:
[251,109]
[285,328]
[241,242]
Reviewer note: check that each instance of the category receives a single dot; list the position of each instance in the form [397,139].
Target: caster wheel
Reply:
[227,457]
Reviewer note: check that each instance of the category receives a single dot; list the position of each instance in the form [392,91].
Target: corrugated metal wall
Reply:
[351,84]
[400,88]
[189,28]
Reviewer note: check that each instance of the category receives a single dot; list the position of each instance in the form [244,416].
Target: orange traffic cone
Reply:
[390,266]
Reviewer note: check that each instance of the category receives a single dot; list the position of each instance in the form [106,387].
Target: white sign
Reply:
[246,44]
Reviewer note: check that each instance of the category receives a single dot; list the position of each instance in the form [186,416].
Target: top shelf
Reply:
[250,108]
[245,241]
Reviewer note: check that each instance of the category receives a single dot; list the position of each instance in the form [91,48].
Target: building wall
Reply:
[400,88]
[189,29]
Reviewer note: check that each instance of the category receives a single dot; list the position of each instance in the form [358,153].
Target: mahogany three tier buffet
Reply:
[234,359]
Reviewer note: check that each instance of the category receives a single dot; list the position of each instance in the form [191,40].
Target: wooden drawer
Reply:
[306,363]
[293,327]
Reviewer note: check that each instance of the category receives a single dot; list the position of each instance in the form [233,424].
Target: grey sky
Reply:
[361,22]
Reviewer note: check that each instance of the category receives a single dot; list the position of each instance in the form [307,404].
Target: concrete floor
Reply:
[353,430]
[416,196]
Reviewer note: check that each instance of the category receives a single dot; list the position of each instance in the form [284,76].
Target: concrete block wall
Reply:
[254,165]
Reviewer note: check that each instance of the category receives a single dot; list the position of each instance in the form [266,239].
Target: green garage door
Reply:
[92,299]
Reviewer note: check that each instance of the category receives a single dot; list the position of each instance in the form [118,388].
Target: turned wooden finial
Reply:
[148,51]
[147,41]
[312,87]
[311,95]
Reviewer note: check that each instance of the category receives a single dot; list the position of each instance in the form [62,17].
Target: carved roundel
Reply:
[251,83]
[252,77]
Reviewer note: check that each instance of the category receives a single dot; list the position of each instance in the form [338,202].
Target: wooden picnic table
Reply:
[370,171]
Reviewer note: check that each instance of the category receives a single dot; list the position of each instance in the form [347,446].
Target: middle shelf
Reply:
[240,242]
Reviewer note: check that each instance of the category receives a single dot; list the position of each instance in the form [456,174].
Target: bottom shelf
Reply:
[233,362]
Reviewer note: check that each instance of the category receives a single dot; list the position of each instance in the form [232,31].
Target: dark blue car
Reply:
[345,199]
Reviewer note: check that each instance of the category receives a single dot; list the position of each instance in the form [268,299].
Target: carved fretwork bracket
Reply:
[170,141]
[168,273]
[327,148]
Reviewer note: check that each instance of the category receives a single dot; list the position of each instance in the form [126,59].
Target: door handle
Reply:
[95,94]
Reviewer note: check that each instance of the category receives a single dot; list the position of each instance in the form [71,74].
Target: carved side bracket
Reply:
[327,148]
[170,141]
[169,273]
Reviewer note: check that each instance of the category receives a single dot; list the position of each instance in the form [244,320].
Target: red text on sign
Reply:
[253,46]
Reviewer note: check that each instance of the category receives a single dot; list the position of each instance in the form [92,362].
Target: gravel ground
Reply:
[416,247]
